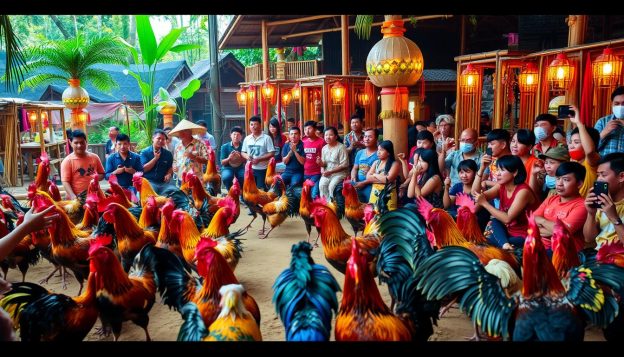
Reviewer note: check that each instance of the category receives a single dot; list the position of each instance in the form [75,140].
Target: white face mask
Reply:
[618,111]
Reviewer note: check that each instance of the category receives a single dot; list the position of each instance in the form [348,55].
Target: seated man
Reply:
[232,162]
[604,224]
[293,156]
[123,163]
[77,167]
[157,162]
[565,205]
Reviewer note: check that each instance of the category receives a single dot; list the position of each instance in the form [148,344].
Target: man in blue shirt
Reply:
[123,163]
[232,162]
[611,127]
[362,163]
[157,162]
[293,156]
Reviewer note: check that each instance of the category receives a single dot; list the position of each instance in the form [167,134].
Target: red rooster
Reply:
[305,211]
[191,183]
[269,176]
[43,172]
[467,219]
[150,214]
[363,316]
[145,189]
[212,176]
[354,209]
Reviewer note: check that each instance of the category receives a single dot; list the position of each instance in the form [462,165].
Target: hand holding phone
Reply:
[488,151]
[600,188]
[564,111]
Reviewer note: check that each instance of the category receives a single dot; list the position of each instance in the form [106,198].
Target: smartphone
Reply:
[488,151]
[564,111]
[599,188]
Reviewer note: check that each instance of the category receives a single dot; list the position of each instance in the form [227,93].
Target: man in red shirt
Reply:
[77,167]
[312,146]
[567,205]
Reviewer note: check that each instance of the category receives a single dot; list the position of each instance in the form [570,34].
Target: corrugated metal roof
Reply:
[440,75]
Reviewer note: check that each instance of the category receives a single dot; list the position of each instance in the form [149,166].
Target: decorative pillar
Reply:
[76,98]
[394,63]
[280,64]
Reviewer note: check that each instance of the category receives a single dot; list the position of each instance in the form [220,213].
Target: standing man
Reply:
[190,153]
[445,124]
[354,141]
[111,143]
[545,125]
[123,163]
[611,127]
[312,146]
[363,161]
[157,162]
[232,161]
[467,150]
[293,156]
[208,139]
[258,148]
[77,167]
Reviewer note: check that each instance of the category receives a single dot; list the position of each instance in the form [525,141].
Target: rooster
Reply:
[564,256]
[304,209]
[354,209]
[145,189]
[234,322]
[166,240]
[91,214]
[193,185]
[285,205]
[120,195]
[255,198]
[150,214]
[179,287]
[611,253]
[212,176]
[305,297]
[467,219]
[45,316]
[363,316]
[43,172]
[73,208]
[131,237]
[269,177]
[54,191]
[544,310]
[336,242]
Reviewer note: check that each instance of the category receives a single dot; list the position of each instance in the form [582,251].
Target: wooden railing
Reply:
[293,70]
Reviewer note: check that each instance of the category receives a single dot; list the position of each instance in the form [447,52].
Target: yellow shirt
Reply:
[607,230]
[591,174]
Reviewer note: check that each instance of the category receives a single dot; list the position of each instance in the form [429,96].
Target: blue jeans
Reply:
[259,175]
[364,193]
[228,173]
[498,235]
[315,189]
[292,178]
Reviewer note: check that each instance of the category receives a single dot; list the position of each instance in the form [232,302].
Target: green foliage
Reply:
[363,24]
[74,58]
[250,56]
[98,134]
[15,60]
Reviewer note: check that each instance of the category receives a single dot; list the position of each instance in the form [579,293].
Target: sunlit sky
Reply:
[162,27]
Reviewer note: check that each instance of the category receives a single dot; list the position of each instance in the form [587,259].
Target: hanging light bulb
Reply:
[527,80]
[469,79]
[296,92]
[607,69]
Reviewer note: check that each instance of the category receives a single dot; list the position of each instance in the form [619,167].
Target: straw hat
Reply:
[188,125]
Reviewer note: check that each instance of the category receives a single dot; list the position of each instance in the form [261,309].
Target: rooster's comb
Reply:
[112,179]
[308,183]
[102,240]
[424,207]
[205,243]
[464,200]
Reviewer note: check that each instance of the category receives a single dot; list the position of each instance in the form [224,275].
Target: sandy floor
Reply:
[261,263]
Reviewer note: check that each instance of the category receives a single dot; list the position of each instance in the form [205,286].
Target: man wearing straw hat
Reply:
[190,153]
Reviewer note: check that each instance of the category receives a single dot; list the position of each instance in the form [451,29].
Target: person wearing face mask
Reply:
[611,127]
[467,151]
[552,159]
[582,147]
[545,125]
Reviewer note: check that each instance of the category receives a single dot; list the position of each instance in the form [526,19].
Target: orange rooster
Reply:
[91,214]
[354,209]
[121,297]
[336,242]
[43,172]
[212,176]
[284,206]
[270,173]
[191,183]
[363,316]
[564,256]
[305,211]
[150,215]
[181,287]
[119,194]
[145,189]
[131,237]
[467,219]
[255,198]
[166,240]
[73,208]
[234,194]
[54,191]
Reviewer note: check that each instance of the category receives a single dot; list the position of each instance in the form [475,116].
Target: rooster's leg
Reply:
[316,240]
[446,308]
[263,227]
[249,225]
[45,280]
[476,336]
[147,335]
[64,280]
[267,234]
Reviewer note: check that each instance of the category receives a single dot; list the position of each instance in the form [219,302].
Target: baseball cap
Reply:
[559,153]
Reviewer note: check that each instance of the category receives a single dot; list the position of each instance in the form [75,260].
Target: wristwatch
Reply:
[617,222]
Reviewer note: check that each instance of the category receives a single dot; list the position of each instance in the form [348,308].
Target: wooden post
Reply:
[576,36]
[265,51]
[344,21]
[462,43]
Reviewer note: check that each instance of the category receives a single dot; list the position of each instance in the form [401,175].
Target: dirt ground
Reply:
[261,263]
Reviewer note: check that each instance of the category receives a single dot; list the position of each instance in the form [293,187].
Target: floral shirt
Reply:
[181,163]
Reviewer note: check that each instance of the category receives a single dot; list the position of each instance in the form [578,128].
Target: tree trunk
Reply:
[215,85]
[132,35]
[75,25]
[60,26]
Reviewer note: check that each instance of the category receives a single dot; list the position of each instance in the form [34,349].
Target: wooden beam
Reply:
[229,34]
[301,19]
[315,32]
[265,51]
[344,22]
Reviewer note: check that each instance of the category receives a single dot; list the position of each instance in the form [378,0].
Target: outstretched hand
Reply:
[39,221]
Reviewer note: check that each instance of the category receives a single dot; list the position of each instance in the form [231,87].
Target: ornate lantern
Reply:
[75,98]
[296,92]
[560,72]
[338,92]
[363,98]
[44,119]
[286,97]
[469,79]
[607,69]
[528,78]
[241,97]
[32,117]
[251,92]
[167,110]
[268,91]
[81,117]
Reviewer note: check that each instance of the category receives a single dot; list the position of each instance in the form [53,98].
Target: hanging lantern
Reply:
[607,69]
[560,72]
[268,91]
[296,92]
[32,117]
[469,79]
[528,78]
[241,97]
[286,97]
[363,98]
[44,119]
[80,116]
[251,93]
[338,92]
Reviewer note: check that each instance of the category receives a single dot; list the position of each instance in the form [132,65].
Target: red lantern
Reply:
[296,92]
[560,72]
[607,69]
[469,79]
[338,92]
[528,78]
[286,97]
[241,97]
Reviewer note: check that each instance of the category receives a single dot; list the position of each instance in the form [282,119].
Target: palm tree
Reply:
[14,58]
[75,59]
